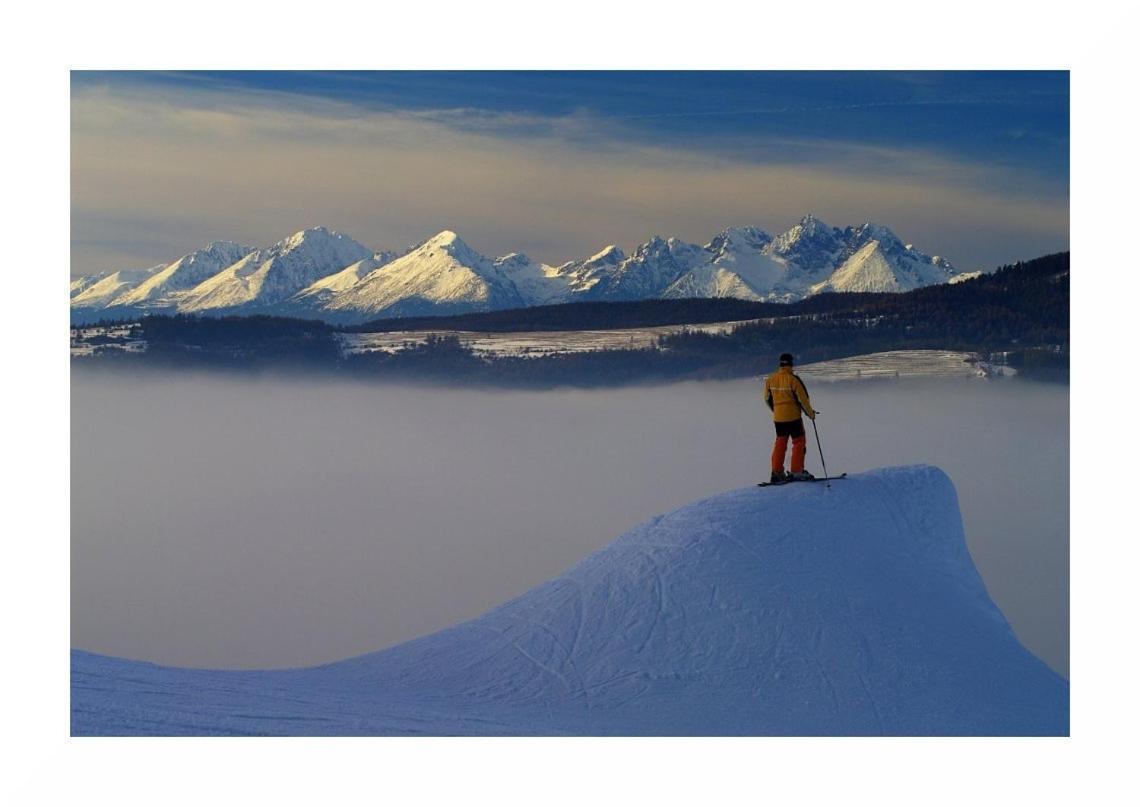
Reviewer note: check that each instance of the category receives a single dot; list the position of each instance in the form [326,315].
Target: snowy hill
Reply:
[270,276]
[798,610]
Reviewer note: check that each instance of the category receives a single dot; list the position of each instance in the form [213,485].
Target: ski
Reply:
[794,481]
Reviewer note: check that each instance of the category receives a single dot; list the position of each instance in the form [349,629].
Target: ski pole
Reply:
[820,447]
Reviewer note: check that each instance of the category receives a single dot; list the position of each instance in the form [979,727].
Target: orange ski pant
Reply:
[793,430]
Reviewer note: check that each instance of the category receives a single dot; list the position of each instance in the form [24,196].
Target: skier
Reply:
[787,397]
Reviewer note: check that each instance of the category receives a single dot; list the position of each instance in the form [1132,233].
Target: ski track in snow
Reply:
[796,610]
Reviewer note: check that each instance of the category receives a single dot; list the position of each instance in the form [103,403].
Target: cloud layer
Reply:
[157,173]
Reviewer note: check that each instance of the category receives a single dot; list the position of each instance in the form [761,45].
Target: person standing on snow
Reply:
[787,397]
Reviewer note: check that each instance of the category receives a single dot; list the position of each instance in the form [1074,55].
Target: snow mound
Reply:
[797,610]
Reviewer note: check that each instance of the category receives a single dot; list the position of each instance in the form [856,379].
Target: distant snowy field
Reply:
[89,340]
[531,343]
[885,365]
[904,364]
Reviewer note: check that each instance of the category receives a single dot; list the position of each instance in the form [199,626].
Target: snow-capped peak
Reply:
[870,231]
[443,237]
[310,234]
[584,277]
[534,283]
[742,237]
[83,282]
[809,229]
[651,268]
[874,259]
[441,274]
[611,254]
[736,263]
[512,259]
[268,277]
[668,249]
[159,289]
[106,288]
[892,245]
[809,247]
[448,241]
[323,289]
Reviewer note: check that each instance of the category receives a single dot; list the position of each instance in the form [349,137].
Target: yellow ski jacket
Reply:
[787,396]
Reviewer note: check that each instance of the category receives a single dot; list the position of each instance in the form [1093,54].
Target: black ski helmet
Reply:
[786,360]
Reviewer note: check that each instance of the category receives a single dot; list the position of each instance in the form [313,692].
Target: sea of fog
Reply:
[223,521]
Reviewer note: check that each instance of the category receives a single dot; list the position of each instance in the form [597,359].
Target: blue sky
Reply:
[1017,118]
[558,164]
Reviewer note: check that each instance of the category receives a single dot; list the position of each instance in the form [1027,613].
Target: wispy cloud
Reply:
[167,169]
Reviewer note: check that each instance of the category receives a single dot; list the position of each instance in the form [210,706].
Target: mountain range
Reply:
[319,273]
